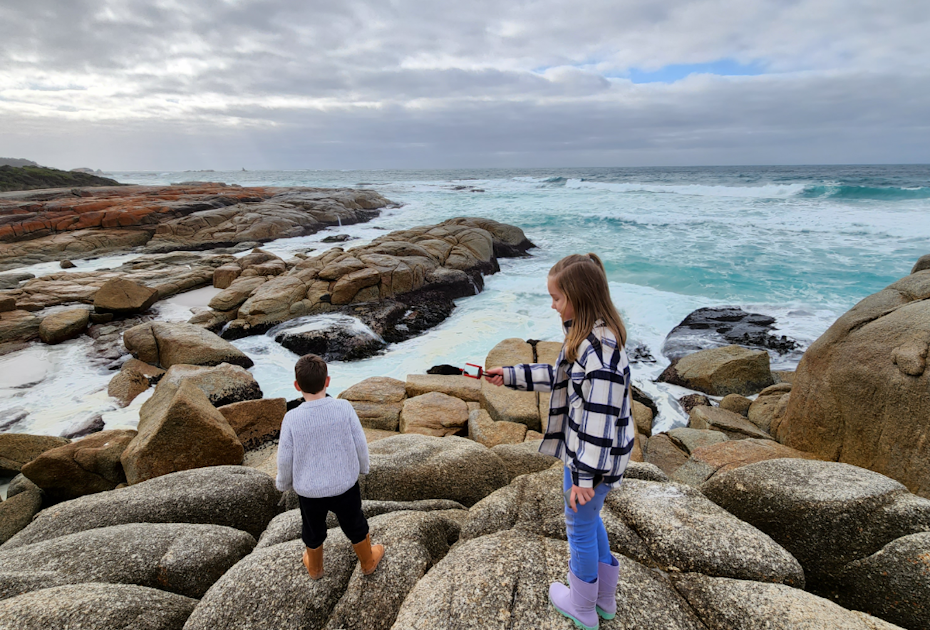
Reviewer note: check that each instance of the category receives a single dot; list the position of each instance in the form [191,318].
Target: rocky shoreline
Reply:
[784,503]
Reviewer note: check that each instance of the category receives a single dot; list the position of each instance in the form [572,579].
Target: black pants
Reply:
[348,509]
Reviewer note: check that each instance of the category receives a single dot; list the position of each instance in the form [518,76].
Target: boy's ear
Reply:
[297,387]
[327,382]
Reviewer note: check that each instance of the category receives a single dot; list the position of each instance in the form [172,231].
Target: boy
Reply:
[321,452]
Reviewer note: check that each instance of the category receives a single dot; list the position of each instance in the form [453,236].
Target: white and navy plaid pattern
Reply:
[590,420]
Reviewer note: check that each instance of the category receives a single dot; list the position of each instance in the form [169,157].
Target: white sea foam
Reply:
[769,191]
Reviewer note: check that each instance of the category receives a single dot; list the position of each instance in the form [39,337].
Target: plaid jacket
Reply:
[590,418]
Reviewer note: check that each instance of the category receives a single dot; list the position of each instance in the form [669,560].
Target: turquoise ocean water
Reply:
[802,244]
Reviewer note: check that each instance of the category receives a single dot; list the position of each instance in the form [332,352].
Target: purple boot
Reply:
[607,576]
[578,602]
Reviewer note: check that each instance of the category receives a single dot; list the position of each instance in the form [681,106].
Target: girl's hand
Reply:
[581,495]
[495,376]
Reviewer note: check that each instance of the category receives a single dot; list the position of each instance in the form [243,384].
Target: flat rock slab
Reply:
[376,389]
[724,603]
[825,513]
[270,589]
[64,325]
[690,439]
[176,557]
[488,583]
[165,344]
[287,526]
[96,607]
[735,426]
[685,532]
[468,389]
[235,496]
[414,467]
[893,583]
[709,460]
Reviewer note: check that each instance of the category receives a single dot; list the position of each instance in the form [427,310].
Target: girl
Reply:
[590,428]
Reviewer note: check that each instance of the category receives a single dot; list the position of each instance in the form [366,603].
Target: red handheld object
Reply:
[480,371]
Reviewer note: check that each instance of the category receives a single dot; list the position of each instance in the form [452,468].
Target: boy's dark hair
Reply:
[310,373]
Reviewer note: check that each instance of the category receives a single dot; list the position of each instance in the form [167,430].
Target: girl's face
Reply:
[559,302]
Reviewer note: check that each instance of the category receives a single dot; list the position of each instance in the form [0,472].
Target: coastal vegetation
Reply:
[35,177]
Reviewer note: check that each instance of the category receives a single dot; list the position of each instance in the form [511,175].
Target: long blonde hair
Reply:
[583,281]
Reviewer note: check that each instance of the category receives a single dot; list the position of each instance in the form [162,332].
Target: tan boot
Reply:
[369,555]
[313,560]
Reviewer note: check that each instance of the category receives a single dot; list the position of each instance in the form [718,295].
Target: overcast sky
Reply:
[288,84]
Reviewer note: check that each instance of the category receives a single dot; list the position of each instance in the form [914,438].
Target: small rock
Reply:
[224,275]
[255,421]
[123,297]
[662,452]
[642,416]
[67,264]
[484,430]
[17,512]
[336,238]
[433,414]
[126,385]
[691,401]
[463,387]
[7,304]
[736,404]
[17,449]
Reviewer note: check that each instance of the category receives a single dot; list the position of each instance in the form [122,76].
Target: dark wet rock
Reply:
[336,341]
[272,579]
[96,606]
[287,526]
[726,603]
[67,264]
[336,238]
[82,467]
[176,557]
[893,583]
[413,467]
[826,514]
[84,427]
[487,582]
[640,353]
[721,326]
[234,496]
[690,401]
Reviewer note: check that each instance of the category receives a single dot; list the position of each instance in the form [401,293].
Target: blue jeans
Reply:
[587,537]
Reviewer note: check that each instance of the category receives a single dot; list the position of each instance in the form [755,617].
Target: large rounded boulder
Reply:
[96,606]
[412,467]
[234,496]
[861,394]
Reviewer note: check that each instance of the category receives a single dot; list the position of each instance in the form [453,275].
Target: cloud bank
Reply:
[134,84]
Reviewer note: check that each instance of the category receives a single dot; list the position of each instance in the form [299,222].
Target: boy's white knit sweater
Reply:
[322,449]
